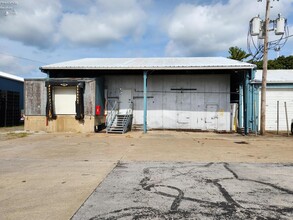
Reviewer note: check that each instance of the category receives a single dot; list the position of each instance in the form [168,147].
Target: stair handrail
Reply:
[126,119]
[111,116]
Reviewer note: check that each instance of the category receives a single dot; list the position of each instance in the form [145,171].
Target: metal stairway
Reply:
[117,122]
[121,124]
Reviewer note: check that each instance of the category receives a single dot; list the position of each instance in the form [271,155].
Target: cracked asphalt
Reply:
[157,190]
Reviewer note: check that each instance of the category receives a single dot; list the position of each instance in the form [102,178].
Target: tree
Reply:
[237,53]
[281,62]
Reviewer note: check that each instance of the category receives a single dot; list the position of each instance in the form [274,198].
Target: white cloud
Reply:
[33,24]
[105,22]
[12,65]
[205,30]
[6,61]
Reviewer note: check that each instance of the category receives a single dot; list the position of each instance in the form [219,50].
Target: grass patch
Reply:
[14,135]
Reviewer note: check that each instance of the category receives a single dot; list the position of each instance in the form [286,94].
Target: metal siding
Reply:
[198,101]
[89,97]
[100,95]
[211,119]
[114,84]
[9,108]
[171,109]
[35,97]
[138,101]
[155,101]
[224,100]
[281,95]
[125,99]
[183,103]
[14,86]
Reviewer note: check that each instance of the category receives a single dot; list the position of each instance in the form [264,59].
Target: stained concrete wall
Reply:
[63,123]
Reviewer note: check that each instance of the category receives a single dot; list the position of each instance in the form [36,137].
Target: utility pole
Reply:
[265,70]
[260,29]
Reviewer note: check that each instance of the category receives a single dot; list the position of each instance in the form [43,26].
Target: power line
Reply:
[23,58]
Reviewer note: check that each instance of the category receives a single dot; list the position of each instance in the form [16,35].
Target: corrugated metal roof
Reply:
[163,63]
[275,76]
[10,76]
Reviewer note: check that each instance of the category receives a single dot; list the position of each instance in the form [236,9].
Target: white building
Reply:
[279,91]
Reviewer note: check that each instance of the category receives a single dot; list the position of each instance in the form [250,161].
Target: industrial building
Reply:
[194,93]
[11,99]
[279,91]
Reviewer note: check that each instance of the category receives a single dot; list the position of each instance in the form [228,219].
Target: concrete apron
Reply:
[49,176]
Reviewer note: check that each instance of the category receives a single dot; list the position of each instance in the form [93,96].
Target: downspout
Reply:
[145,73]
[240,107]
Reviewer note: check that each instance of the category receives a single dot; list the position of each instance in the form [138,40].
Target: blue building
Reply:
[11,99]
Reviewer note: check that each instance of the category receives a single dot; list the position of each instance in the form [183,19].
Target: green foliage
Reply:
[237,53]
[14,135]
[281,62]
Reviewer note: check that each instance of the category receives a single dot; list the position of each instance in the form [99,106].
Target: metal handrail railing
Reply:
[126,119]
[111,116]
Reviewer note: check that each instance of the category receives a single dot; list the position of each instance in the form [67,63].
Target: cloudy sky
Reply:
[45,32]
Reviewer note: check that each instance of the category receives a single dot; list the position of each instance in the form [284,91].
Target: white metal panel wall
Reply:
[115,83]
[204,105]
[281,95]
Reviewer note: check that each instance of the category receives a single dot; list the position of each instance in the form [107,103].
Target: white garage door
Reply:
[273,96]
[65,98]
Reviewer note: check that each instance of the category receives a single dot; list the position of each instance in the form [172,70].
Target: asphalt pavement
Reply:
[160,190]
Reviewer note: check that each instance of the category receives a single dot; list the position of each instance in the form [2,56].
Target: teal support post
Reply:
[240,107]
[252,103]
[145,77]
[253,71]
[246,103]
[251,108]
[255,102]
[256,107]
